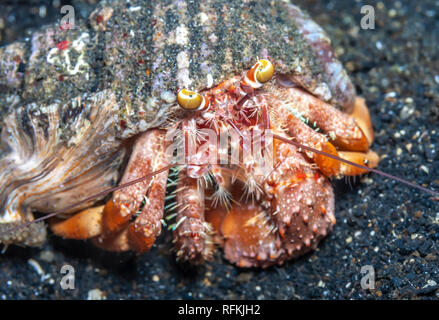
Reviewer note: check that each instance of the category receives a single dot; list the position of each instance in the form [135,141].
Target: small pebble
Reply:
[406,112]
[425,169]
[244,277]
[431,283]
[96,294]
[47,256]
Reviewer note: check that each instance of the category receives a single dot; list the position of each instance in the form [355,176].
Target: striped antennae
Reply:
[275,136]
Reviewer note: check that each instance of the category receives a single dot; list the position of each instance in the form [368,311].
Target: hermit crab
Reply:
[101,104]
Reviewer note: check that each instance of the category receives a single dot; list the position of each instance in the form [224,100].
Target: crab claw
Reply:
[300,215]
[295,211]
[84,225]
[246,234]
[247,237]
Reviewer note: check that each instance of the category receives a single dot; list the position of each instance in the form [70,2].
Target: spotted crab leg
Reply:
[301,222]
[147,226]
[141,234]
[305,135]
[243,229]
[345,131]
[126,202]
[117,241]
[245,234]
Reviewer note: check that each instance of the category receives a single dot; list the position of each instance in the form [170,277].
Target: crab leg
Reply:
[106,221]
[149,154]
[362,117]
[329,167]
[192,234]
[301,222]
[346,132]
[117,241]
[126,202]
[248,238]
[147,226]
[88,224]
[244,230]
[307,136]
[141,235]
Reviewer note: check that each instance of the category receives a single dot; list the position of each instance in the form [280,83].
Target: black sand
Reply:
[381,223]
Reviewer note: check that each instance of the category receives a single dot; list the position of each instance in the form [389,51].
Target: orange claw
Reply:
[369,159]
[248,239]
[328,166]
[362,117]
[84,225]
[117,241]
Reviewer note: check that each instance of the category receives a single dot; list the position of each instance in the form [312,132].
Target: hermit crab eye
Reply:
[190,100]
[261,72]
[264,71]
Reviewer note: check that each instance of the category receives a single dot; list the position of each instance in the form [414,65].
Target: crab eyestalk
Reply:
[192,101]
[261,72]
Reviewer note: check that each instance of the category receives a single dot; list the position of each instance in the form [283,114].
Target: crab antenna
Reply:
[94,196]
[278,137]
[388,175]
